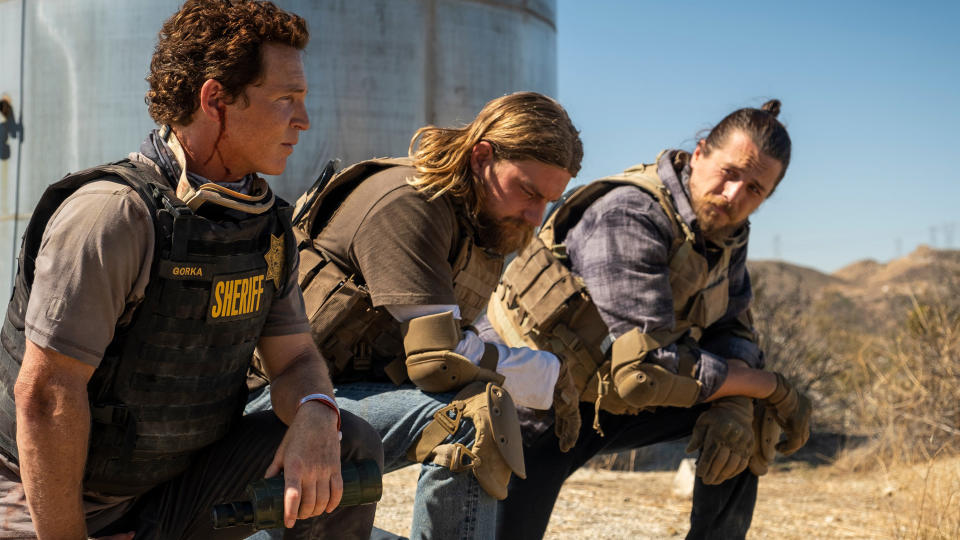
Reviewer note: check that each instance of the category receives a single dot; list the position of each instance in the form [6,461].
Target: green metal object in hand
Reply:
[263,508]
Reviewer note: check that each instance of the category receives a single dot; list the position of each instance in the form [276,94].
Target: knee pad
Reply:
[497,449]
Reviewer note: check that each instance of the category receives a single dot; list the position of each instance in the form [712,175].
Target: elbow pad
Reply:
[432,365]
[643,384]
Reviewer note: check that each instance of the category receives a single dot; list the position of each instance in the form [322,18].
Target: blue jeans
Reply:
[448,505]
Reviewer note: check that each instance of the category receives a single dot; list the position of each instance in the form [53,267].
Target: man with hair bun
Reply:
[398,257]
[144,287]
[638,282]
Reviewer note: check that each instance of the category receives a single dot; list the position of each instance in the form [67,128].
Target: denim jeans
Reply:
[721,511]
[447,505]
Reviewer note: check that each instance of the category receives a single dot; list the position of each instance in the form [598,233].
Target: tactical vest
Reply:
[540,303]
[359,340]
[172,380]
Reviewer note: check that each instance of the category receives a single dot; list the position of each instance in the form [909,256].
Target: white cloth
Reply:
[530,375]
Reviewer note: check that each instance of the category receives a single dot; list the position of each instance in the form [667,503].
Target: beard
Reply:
[503,235]
[713,216]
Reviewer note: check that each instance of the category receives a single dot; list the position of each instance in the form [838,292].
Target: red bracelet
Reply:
[329,402]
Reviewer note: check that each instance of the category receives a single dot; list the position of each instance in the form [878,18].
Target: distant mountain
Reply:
[865,296]
[923,270]
[778,278]
[859,271]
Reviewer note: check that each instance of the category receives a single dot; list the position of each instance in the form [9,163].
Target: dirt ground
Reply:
[823,502]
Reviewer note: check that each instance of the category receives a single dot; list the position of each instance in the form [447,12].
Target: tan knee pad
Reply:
[497,449]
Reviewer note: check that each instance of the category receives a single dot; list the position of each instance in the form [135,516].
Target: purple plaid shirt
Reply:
[620,247]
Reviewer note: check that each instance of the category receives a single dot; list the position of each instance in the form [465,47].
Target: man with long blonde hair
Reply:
[399,256]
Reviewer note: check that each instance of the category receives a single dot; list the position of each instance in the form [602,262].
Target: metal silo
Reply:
[72,75]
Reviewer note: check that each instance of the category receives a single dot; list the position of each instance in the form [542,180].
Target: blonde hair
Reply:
[519,126]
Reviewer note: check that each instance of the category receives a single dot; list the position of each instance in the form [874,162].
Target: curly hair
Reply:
[214,39]
[519,126]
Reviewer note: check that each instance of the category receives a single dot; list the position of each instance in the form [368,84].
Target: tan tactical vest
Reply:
[540,303]
[356,338]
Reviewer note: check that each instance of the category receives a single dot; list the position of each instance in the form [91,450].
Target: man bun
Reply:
[772,107]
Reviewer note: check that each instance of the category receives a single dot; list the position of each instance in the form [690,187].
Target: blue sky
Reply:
[870,92]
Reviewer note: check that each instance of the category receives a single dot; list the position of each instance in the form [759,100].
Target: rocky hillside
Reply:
[924,270]
[865,296]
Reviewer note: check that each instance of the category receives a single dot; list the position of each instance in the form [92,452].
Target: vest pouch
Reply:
[710,304]
[548,303]
[688,276]
[339,311]
[549,298]
[311,262]
[475,276]
[526,267]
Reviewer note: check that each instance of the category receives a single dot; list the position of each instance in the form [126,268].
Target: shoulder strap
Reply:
[148,183]
[643,176]
[314,210]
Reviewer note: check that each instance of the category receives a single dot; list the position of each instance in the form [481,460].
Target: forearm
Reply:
[745,381]
[52,430]
[309,454]
[306,374]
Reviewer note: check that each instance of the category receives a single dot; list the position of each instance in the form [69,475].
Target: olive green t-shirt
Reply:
[398,241]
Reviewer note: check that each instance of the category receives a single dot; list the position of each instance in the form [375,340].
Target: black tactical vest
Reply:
[172,381]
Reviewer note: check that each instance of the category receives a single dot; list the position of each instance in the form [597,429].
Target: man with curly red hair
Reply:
[143,290]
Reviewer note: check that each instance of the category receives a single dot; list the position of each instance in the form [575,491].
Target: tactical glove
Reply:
[566,409]
[767,432]
[724,435]
[791,410]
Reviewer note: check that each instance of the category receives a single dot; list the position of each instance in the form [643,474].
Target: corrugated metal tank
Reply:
[73,74]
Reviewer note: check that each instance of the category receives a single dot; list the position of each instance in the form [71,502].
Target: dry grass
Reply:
[932,491]
[910,398]
[920,501]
